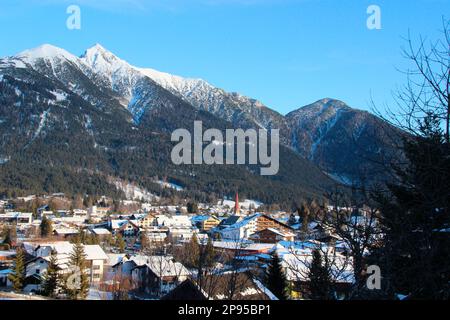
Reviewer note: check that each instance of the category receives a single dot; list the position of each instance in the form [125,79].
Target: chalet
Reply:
[65,232]
[155,236]
[186,234]
[205,223]
[173,221]
[127,228]
[152,274]
[159,276]
[271,235]
[101,233]
[147,221]
[97,212]
[246,227]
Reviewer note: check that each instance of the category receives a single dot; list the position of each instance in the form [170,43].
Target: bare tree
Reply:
[427,90]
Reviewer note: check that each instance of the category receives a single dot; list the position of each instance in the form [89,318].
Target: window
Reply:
[96,267]
[37,271]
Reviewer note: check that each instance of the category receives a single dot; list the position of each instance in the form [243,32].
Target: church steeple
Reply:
[237,208]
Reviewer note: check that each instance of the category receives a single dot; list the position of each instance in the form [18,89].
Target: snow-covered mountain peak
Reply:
[102,60]
[46,52]
[329,102]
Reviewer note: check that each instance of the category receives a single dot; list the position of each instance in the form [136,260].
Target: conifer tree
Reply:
[46,227]
[10,236]
[320,281]
[193,252]
[209,254]
[51,281]
[414,215]
[76,284]
[276,279]
[18,276]
[120,243]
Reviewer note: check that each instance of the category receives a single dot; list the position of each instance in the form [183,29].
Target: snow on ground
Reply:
[60,95]
[170,185]
[133,192]
[41,124]
[340,178]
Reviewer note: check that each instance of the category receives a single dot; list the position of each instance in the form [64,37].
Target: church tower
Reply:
[237,209]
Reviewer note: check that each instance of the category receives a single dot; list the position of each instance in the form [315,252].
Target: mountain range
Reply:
[74,124]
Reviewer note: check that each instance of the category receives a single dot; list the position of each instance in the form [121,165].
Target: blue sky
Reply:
[286,53]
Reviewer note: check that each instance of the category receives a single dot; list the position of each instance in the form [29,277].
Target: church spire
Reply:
[237,209]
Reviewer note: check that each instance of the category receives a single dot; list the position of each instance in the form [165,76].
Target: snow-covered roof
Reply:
[114,258]
[240,245]
[117,224]
[166,267]
[64,249]
[66,231]
[95,252]
[101,231]
[16,215]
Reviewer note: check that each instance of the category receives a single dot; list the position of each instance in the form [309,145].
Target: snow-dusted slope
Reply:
[128,81]
[135,87]
[347,143]
[327,132]
[234,107]
[120,76]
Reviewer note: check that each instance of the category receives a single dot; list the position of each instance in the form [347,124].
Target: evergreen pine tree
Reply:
[193,252]
[18,276]
[209,254]
[76,284]
[46,227]
[10,236]
[320,281]
[412,217]
[51,278]
[120,243]
[276,279]
[192,207]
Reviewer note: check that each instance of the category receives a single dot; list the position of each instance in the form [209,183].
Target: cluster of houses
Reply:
[251,237]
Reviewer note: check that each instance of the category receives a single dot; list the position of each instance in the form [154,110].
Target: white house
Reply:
[174,221]
[240,230]
[95,257]
[20,218]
